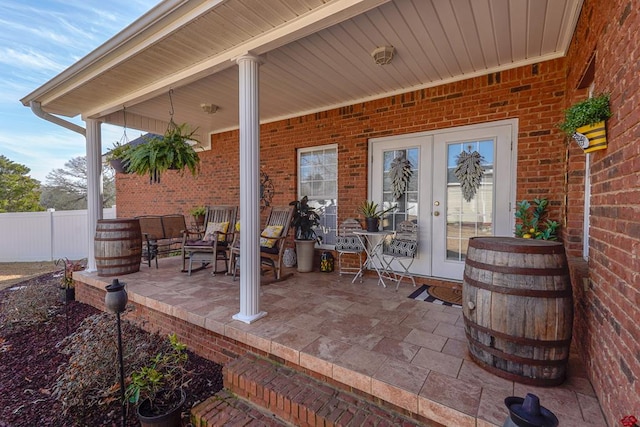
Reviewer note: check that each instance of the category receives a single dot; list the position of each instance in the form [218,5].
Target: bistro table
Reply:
[372,242]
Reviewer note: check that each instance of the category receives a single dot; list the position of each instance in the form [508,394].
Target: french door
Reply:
[447,209]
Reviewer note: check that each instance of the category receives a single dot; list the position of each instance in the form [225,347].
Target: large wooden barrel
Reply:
[518,308]
[118,246]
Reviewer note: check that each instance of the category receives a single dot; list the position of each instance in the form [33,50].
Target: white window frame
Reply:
[300,153]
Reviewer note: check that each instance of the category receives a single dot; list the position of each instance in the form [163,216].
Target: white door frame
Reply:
[426,176]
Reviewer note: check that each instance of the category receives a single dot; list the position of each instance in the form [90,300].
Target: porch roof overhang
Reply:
[316,55]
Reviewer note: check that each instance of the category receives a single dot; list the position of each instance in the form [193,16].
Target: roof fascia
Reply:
[146,30]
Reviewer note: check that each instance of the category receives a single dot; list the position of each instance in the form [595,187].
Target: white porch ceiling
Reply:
[316,55]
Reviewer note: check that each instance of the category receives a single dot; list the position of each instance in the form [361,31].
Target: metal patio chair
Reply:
[401,249]
[349,243]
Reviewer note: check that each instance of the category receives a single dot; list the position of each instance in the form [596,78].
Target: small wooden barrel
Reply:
[118,246]
[518,308]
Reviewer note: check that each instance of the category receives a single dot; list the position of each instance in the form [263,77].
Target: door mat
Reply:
[439,295]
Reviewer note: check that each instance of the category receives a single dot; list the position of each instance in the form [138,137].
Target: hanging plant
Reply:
[469,172]
[173,150]
[400,174]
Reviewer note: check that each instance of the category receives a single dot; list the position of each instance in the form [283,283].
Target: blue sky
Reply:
[39,39]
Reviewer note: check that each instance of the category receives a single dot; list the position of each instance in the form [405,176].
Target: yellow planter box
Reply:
[591,137]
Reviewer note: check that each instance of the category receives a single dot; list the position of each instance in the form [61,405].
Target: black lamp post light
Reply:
[115,300]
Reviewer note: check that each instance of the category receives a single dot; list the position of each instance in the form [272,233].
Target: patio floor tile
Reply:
[410,353]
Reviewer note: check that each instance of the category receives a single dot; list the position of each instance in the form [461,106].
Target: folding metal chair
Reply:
[401,249]
[349,243]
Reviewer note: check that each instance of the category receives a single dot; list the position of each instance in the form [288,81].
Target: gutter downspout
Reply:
[36,107]
[94,171]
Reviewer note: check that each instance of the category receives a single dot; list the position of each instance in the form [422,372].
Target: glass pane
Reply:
[474,217]
[407,203]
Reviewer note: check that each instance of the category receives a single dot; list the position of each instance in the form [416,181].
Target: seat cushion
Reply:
[401,248]
[212,227]
[348,244]
[270,231]
[266,250]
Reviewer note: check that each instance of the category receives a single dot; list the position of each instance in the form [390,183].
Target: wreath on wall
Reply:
[400,174]
[469,172]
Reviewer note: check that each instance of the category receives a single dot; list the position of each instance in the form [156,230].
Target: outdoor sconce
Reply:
[383,55]
[115,300]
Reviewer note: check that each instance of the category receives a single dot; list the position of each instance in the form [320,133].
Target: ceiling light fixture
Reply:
[209,108]
[383,55]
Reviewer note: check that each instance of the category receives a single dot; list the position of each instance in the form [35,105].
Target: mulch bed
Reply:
[29,361]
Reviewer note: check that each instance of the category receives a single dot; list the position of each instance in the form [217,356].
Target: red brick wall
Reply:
[606,323]
[607,313]
[533,94]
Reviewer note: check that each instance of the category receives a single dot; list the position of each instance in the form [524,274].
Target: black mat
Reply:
[422,294]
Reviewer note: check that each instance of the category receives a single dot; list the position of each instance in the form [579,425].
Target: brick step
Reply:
[226,409]
[298,399]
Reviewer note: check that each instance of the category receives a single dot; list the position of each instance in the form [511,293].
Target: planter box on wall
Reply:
[591,137]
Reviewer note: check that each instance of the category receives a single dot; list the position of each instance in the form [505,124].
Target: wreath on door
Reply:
[400,174]
[469,172]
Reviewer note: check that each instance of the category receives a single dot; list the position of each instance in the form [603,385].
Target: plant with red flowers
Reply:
[629,421]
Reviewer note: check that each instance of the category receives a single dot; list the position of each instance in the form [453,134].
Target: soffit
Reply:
[315,67]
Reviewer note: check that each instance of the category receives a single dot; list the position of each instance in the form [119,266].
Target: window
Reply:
[318,180]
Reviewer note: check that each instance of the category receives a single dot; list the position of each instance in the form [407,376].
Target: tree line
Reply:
[64,188]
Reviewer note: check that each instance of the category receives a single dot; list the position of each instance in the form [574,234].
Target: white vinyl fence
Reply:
[45,236]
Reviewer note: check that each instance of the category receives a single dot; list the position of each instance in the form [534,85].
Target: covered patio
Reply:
[408,353]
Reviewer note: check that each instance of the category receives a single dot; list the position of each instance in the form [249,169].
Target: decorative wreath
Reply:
[400,174]
[469,172]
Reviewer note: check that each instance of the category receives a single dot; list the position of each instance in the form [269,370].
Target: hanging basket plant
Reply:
[469,172]
[400,174]
[174,150]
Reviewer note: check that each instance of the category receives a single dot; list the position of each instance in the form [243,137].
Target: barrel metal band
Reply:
[524,271]
[515,377]
[536,293]
[513,358]
[518,340]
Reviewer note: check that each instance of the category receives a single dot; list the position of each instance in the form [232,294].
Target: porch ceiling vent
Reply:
[209,108]
[383,55]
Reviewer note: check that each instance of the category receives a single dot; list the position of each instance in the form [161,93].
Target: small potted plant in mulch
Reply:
[585,122]
[372,214]
[157,388]
[67,286]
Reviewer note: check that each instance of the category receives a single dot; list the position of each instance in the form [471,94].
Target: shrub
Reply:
[91,377]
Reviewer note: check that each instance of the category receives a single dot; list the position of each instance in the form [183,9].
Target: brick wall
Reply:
[533,94]
[606,327]
[607,313]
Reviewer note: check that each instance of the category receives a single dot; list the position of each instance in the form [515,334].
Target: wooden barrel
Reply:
[518,308]
[118,246]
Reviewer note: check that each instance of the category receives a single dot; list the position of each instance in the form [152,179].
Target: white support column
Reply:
[248,87]
[94,186]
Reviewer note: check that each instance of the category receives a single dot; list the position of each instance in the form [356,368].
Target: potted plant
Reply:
[158,387]
[533,221]
[584,122]
[116,157]
[304,219]
[198,213]
[159,154]
[372,214]
[67,287]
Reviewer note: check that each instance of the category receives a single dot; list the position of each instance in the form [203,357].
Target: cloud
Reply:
[29,59]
